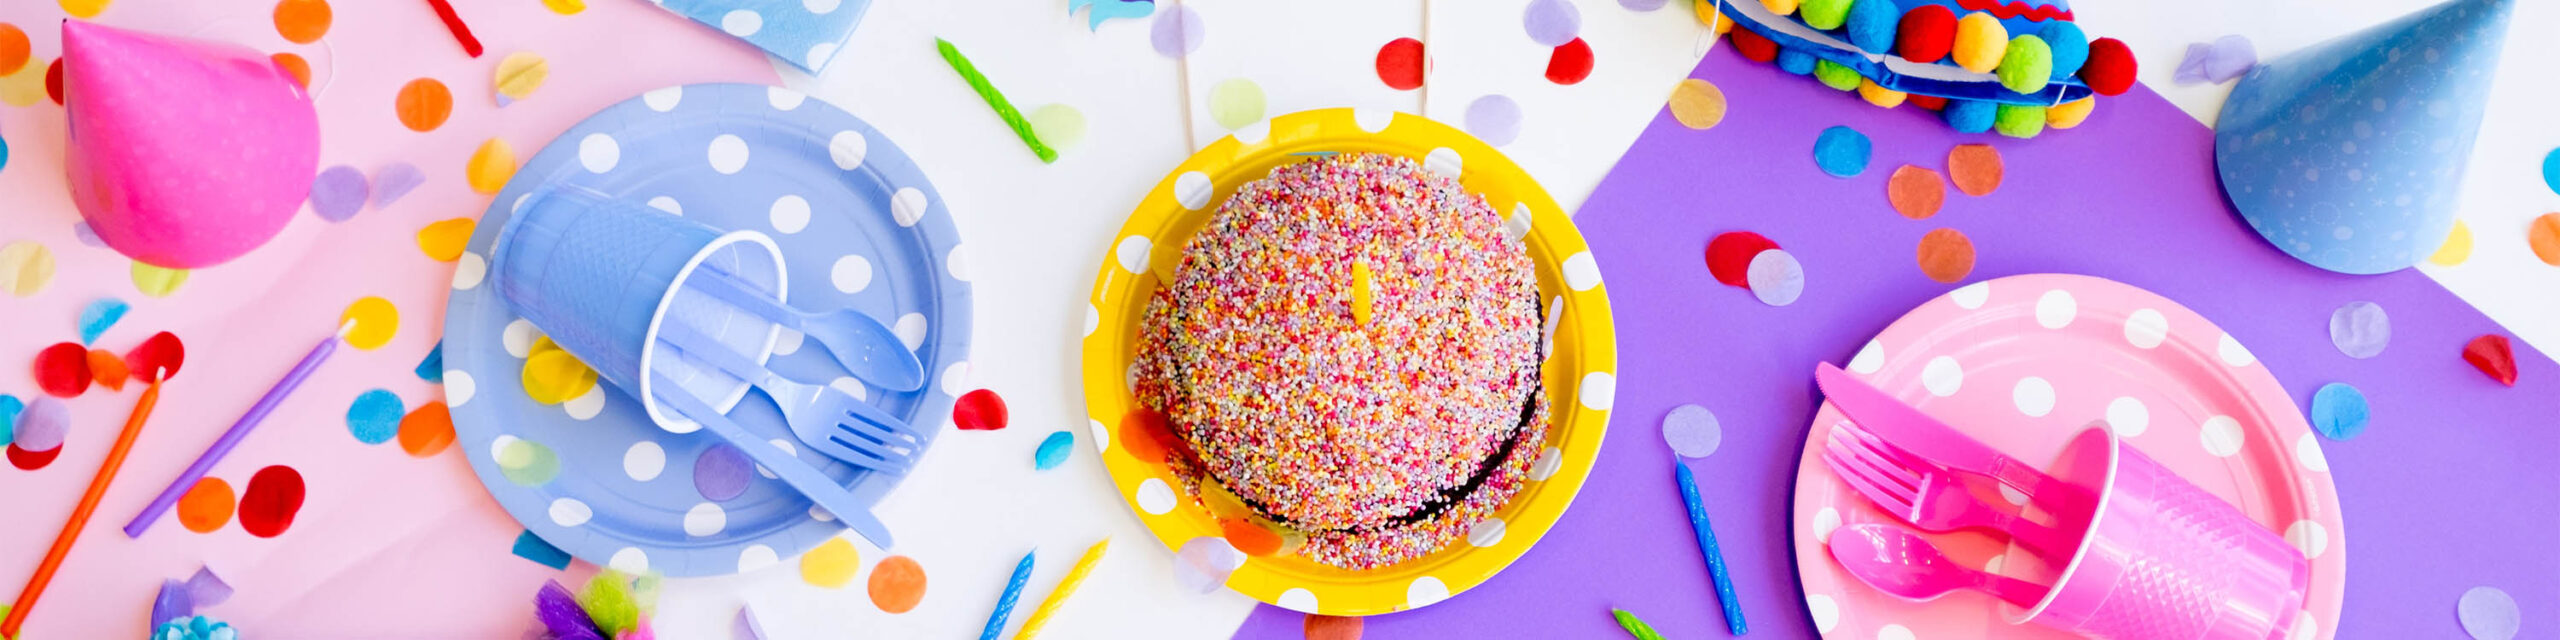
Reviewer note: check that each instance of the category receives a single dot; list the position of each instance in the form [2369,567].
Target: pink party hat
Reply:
[183,153]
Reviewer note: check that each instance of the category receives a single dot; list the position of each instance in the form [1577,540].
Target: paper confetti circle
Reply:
[2544,237]
[526,462]
[1975,168]
[490,166]
[10,407]
[443,240]
[1570,64]
[1692,431]
[831,565]
[897,584]
[63,370]
[1551,23]
[1697,104]
[553,376]
[427,430]
[100,315]
[25,268]
[1402,64]
[376,321]
[1495,119]
[1729,256]
[274,495]
[294,65]
[160,354]
[1776,278]
[1235,103]
[338,193]
[2360,329]
[14,48]
[2488,613]
[2339,411]
[1915,192]
[1842,151]
[374,418]
[1946,255]
[1060,126]
[980,410]
[1324,627]
[1176,31]
[2456,247]
[206,506]
[107,369]
[43,425]
[302,21]
[423,104]
[721,472]
[519,74]
[1053,450]
[155,281]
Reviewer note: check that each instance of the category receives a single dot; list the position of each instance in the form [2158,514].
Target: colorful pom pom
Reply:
[2070,114]
[1836,75]
[2111,69]
[1871,24]
[2019,120]
[1780,7]
[1932,103]
[1979,43]
[1877,95]
[2027,66]
[1971,116]
[1825,14]
[1927,34]
[1753,46]
[1795,62]
[2070,47]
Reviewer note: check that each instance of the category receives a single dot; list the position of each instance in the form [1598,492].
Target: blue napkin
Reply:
[805,33]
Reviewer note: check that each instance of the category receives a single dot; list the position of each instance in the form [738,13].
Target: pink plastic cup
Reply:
[2161,559]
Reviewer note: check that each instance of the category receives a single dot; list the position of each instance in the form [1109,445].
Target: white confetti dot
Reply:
[1155,497]
[1547,463]
[2232,353]
[756,556]
[2056,308]
[1373,120]
[598,153]
[2308,536]
[1101,435]
[1581,271]
[1942,376]
[569,512]
[663,99]
[1192,189]
[789,214]
[783,98]
[1824,522]
[2033,395]
[586,405]
[1134,253]
[1894,632]
[2127,417]
[742,23]
[728,154]
[705,519]
[2146,328]
[955,379]
[908,206]
[1826,612]
[1869,359]
[2306,450]
[851,387]
[848,148]
[1299,600]
[458,388]
[630,560]
[910,329]
[518,337]
[1599,391]
[468,271]
[956,263]
[1253,134]
[788,341]
[851,274]
[1486,532]
[1971,296]
[819,54]
[644,460]
[820,7]
[1425,591]
[2221,436]
[1444,161]
[667,204]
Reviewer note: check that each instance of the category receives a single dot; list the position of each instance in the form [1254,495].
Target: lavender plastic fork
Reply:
[1903,565]
[1931,497]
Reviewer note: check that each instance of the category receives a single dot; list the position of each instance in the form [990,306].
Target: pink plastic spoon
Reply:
[1904,565]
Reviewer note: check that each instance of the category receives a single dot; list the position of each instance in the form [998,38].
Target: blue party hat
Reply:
[2349,155]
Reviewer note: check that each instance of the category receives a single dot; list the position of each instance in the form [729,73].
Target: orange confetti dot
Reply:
[1697,104]
[490,167]
[206,506]
[427,430]
[302,21]
[2545,238]
[1250,538]
[107,369]
[897,584]
[424,104]
[1320,627]
[295,65]
[14,49]
[1138,432]
[1946,255]
[1915,192]
[1975,168]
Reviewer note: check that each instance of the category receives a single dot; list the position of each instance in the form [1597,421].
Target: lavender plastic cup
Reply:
[2163,560]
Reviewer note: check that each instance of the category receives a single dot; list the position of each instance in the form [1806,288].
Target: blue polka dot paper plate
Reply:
[859,226]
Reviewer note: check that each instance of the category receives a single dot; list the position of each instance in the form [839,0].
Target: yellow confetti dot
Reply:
[2070,114]
[491,166]
[522,72]
[443,239]
[1235,103]
[2457,246]
[566,7]
[26,87]
[25,267]
[376,321]
[554,377]
[1059,126]
[157,282]
[84,8]
[831,565]
[541,344]
[1697,104]
[1363,297]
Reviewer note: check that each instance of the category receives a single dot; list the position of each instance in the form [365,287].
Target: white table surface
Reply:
[1036,233]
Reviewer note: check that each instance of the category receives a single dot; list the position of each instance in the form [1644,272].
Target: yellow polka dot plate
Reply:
[1579,375]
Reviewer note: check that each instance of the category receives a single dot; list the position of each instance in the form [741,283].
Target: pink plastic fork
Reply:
[1930,497]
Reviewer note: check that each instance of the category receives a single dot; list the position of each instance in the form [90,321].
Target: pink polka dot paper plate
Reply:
[1579,374]
[2024,363]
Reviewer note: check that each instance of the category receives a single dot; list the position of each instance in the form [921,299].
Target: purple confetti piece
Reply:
[1176,32]
[1642,5]
[394,181]
[1692,431]
[2232,55]
[100,315]
[43,424]
[207,589]
[721,472]
[2488,613]
[1204,563]
[338,193]
[1495,119]
[2191,67]
[1551,23]
[558,610]
[744,626]
[173,602]
[87,235]
[2360,329]
[1775,277]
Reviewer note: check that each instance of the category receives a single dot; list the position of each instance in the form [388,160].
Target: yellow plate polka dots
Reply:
[1579,373]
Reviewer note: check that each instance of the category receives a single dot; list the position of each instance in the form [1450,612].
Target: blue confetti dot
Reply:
[375,416]
[9,407]
[98,316]
[1054,450]
[431,368]
[1842,152]
[531,547]
[2551,171]
[2339,411]
[4,154]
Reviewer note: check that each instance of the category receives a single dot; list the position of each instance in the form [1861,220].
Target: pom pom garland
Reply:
[1833,75]
[1795,62]
[2070,114]
[2111,69]
[2020,120]
[1871,25]
[2027,65]
[1980,42]
[1754,46]
[1877,95]
[2070,47]
[1825,14]
[1971,116]
[1927,34]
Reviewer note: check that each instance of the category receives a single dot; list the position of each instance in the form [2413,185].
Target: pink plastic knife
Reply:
[1916,432]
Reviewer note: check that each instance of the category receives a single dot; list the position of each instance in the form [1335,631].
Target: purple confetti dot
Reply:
[87,235]
[2488,613]
[1176,32]
[1551,23]
[2232,55]
[338,193]
[721,472]
[43,424]
[1495,119]
[207,589]
[2191,67]
[1692,431]
[2360,329]
[1204,563]
[1642,5]
[394,181]
[1775,277]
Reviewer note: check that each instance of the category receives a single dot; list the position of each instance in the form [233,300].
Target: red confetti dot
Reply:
[1975,168]
[1401,63]
[1570,63]
[273,497]
[1927,33]
[2494,356]
[1729,255]
[1753,46]
[157,358]
[1915,192]
[53,81]
[980,410]
[1319,627]
[1932,103]
[63,370]
[33,460]
[2111,69]
[1945,255]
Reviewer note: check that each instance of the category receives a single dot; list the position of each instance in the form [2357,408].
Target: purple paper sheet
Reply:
[2451,488]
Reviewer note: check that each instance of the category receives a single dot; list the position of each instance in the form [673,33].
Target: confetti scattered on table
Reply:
[376,321]
[744,626]
[2488,613]
[1494,119]
[338,193]
[1570,63]
[525,462]
[1842,151]
[1946,255]
[2338,411]
[1236,102]
[1915,192]
[554,376]
[2494,356]
[1250,538]
[107,369]
[1402,64]
[1145,435]
[1053,450]
[63,369]
[156,281]
[25,268]
[1776,278]
[162,352]
[1324,627]
[1552,23]
[1104,10]
[1176,31]
[42,425]
[2219,61]
[531,547]
[295,65]
[490,166]
[1692,431]
[980,410]
[394,181]
[268,505]
[2551,170]
[431,368]
[53,81]
[1697,104]
[567,7]
[2544,237]
[1204,563]
[2360,329]
[302,21]
[14,48]
[443,240]
[721,472]
[374,417]
[10,407]
[1061,126]
[32,460]
[1729,256]
[831,565]
[897,584]
[100,315]
[26,87]
[427,430]
[205,507]
[2456,247]
[518,75]
[1976,169]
